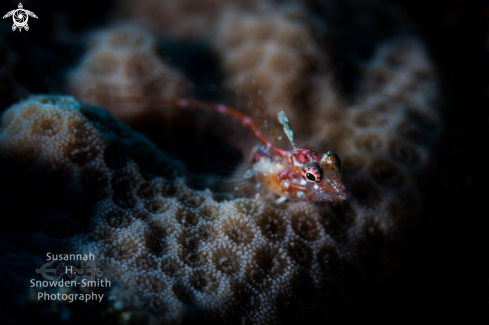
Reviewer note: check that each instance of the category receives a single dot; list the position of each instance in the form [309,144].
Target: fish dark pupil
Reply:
[311,177]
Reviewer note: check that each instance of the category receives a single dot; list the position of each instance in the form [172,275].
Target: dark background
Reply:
[445,277]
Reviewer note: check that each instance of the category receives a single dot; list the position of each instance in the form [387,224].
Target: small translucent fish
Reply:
[296,173]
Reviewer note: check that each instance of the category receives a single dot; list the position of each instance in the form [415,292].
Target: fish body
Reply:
[296,173]
[301,174]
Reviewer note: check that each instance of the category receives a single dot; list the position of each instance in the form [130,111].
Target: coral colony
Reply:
[123,61]
[176,254]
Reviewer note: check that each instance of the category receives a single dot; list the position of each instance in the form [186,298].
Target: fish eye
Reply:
[311,177]
[331,159]
[312,173]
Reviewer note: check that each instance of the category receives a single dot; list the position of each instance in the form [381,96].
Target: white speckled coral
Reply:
[176,255]
[51,133]
[387,134]
[168,249]
[276,49]
[122,61]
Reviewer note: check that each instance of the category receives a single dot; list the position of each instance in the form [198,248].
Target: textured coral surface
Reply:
[353,76]
[176,254]
[123,62]
[274,50]
[84,182]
